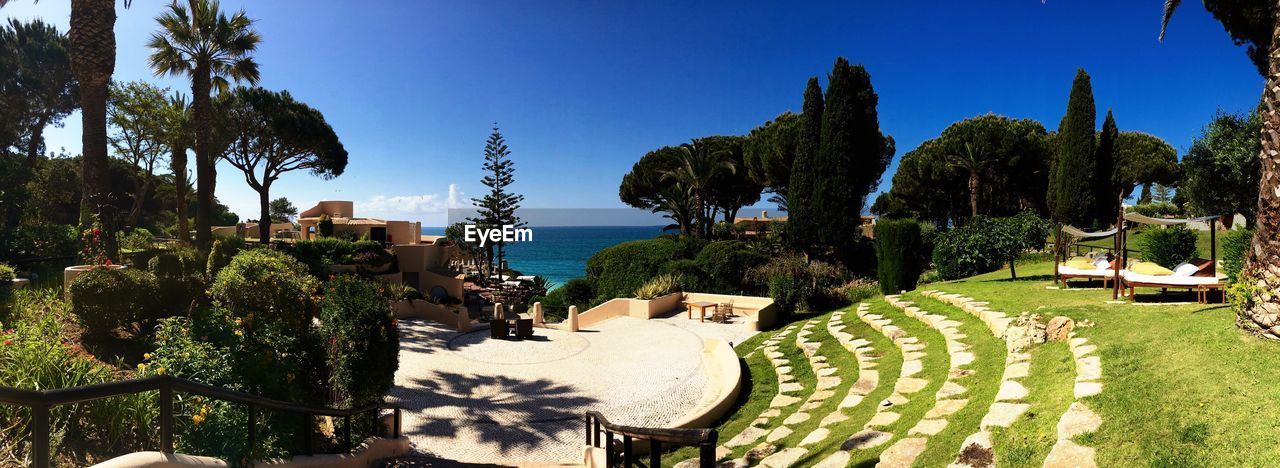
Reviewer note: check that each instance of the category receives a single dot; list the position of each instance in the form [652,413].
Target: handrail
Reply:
[597,424]
[41,401]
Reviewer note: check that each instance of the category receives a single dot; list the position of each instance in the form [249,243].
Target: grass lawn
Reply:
[1135,242]
[1182,385]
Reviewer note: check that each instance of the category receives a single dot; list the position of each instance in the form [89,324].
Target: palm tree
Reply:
[180,140]
[202,43]
[1257,22]
[974,160]
[93,60]
[696,165]
[677,202]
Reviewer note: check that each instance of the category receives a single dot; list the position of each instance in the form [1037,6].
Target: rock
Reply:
[838,459]
[1087,389]
[1024,332]
[747,436]
[735,463]
[758,452]
[903,453]
[910,385]
[790,387]
[816,436]
[783,400]
[946,408]
[1003,414]
[832,419]
[1017,370]
[850,401]
[1058,328]
[866,439]
[883,419]
[1068,454]
[1078,419]
[910,368]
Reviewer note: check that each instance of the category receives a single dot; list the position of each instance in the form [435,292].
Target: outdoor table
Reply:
[702,309]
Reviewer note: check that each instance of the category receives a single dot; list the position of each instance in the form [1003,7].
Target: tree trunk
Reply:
[93,59]
[35,142]
[1262,265]
[264,216]
[139,197]
[206,172]
[178,162]
[973,193]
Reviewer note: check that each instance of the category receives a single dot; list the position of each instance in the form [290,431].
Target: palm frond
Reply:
[1169,7]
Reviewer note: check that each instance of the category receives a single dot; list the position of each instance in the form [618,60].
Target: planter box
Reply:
[19,283]
[72,272]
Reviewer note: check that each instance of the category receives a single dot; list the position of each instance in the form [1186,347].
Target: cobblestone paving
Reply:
[469,398]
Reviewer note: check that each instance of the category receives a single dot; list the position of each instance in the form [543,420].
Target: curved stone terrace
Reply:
[470,398]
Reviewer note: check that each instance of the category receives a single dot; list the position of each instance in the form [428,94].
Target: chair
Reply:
[524,329]
[498,329]
[728,309]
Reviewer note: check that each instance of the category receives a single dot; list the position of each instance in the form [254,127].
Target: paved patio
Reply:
[470,398]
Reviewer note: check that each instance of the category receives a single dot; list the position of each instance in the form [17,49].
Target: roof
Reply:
[351,221]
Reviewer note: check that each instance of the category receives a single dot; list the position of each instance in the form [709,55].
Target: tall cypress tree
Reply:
[1074,170]
[1107,195]
[852,156]
[801,219]
[498,207]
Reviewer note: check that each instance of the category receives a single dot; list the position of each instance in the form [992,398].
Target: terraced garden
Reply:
[934,378]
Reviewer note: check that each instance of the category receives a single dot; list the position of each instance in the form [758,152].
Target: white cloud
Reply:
[457,199]
[405,204]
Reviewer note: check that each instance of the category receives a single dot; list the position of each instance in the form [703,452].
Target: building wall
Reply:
[333,208]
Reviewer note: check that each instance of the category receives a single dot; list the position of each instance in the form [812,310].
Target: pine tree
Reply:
[498,207]
[852,156]
[1107,194]
[801,221]
[1074,170]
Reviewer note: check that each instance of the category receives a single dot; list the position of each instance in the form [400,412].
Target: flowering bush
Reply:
[220,255]
[363,342]
[92,252]
[268,285]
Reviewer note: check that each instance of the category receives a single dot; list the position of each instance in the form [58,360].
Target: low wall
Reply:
[724,381]
[419,308]
[761,312]
[368,454]
[628,307]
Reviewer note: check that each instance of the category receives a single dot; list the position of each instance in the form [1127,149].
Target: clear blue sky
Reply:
[583,89]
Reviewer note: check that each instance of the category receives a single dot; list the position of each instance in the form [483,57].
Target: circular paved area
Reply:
[470,398]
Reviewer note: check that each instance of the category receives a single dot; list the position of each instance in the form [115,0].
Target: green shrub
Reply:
[898,247]
[1157,209]
[788,292]
[858,290]
[180,274]
[321,253]
[268,285]
[363,341]
[221,253]
[325,226]
[136,239]
[659,286]
[692,278]
[105,299]
[34,355]
[7,274]
[1170,246]
[1235,247]
[618,270]
[41,240]
[985,244]
[398,291]
[726,264]
[577,291]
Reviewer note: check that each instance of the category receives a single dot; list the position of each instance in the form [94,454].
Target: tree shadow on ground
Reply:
[509,412]
[1007,279]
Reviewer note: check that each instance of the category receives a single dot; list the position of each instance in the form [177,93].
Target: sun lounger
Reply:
[1103,272]
[1193,275]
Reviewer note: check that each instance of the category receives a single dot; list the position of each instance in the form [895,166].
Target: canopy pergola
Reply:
[1060,253]
[1139,218]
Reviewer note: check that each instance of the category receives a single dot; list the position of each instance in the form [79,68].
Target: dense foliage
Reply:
[618,270]
[986,244]
[898,254]
[221,253]
[363,343]
[105,299]
[1221,170]
[267,285]
[1169,246]
[180,275]
[1071,187]
[725,263]
[1235,247]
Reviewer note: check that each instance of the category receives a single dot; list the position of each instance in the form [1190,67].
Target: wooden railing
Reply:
[40,403]
[600,434]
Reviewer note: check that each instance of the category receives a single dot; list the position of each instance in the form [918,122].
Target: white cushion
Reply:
[1101,263]
[1185,269]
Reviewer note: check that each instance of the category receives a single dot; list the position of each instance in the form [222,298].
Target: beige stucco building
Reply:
[424,261]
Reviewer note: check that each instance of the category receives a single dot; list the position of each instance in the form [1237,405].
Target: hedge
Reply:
[106,298]
[1168,247]
[618,270]
[726,264]
[268,285]
[898,246]
[363,343]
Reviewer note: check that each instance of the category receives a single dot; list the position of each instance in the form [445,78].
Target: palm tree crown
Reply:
[202,36]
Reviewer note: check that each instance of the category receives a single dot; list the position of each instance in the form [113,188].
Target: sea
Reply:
[560,253]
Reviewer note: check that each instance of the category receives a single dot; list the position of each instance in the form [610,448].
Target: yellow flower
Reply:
[197,419]
[142,367]
[239,333]
[160,370]
[147,356]
[239,321]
